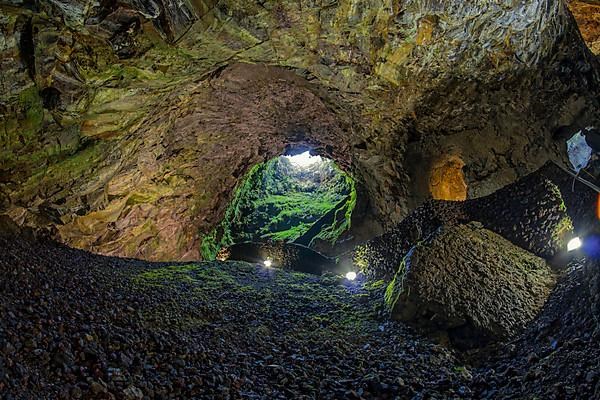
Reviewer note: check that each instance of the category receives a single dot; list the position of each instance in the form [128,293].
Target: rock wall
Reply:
[127,125]
[531,213]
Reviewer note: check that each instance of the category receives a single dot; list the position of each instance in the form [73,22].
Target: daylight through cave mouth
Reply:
[299,198]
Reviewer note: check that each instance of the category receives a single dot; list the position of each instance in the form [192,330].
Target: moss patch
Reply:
[325,304]
[276,201]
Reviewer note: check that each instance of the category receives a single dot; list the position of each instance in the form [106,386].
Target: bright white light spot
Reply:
[574,244]
[351,275]
[304,160]
[268,263]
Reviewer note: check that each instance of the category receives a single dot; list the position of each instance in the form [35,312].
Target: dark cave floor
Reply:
[77,325]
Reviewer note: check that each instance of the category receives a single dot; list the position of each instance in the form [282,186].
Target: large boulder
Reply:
[471,283]
[530,213]
[379,257]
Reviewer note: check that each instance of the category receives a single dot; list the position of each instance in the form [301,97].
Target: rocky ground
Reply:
[77,325]
[556,357]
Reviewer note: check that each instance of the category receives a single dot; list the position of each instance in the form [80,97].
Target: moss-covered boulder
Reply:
[470,282]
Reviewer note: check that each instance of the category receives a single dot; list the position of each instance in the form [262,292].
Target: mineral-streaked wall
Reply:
[128,125]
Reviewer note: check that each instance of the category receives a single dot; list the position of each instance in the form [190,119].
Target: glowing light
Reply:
[304,160]
[574,244]
[351,275]
[268,263]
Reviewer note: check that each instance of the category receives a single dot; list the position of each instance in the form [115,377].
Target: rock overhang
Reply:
[247,80]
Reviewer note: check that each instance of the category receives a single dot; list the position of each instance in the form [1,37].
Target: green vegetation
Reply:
[324,305]
[278,201]
[562,231]
[31,103]
[343,215]
[564,228]
[18,130]
[396,287]
[205,278]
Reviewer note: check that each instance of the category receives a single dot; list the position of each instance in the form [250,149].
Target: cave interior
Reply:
[297,199]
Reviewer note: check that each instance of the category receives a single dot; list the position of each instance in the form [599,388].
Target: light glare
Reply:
[304,160]
[351,275]
[574,244]
[268,263]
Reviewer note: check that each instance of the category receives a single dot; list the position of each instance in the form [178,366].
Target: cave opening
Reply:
[297,197]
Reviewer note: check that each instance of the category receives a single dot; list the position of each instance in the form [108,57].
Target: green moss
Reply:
[555,190]
[31,102]
[167,274]
[361,257]
[275,202]
[395,288]
[76,166]
[19,130]
[561,231]
[564,228]
[289,235]
[375,285]
[209,247]
[391,294]
[204,277]
[343,217]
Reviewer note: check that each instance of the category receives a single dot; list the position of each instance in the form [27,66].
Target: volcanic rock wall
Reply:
[127,125]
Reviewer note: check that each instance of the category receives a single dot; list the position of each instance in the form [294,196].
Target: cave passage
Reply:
[447,180]
[303,199]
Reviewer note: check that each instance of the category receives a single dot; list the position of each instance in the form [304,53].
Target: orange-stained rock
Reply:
[587,14]
[447,180]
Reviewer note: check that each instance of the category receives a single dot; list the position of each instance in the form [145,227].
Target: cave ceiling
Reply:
[127,124]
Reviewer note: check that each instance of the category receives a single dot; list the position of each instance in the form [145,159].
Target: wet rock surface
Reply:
[471,283]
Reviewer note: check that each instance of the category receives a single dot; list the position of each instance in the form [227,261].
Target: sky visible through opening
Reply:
[304,160]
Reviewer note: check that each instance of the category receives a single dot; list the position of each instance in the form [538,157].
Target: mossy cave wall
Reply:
[282,202]
[125,128]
